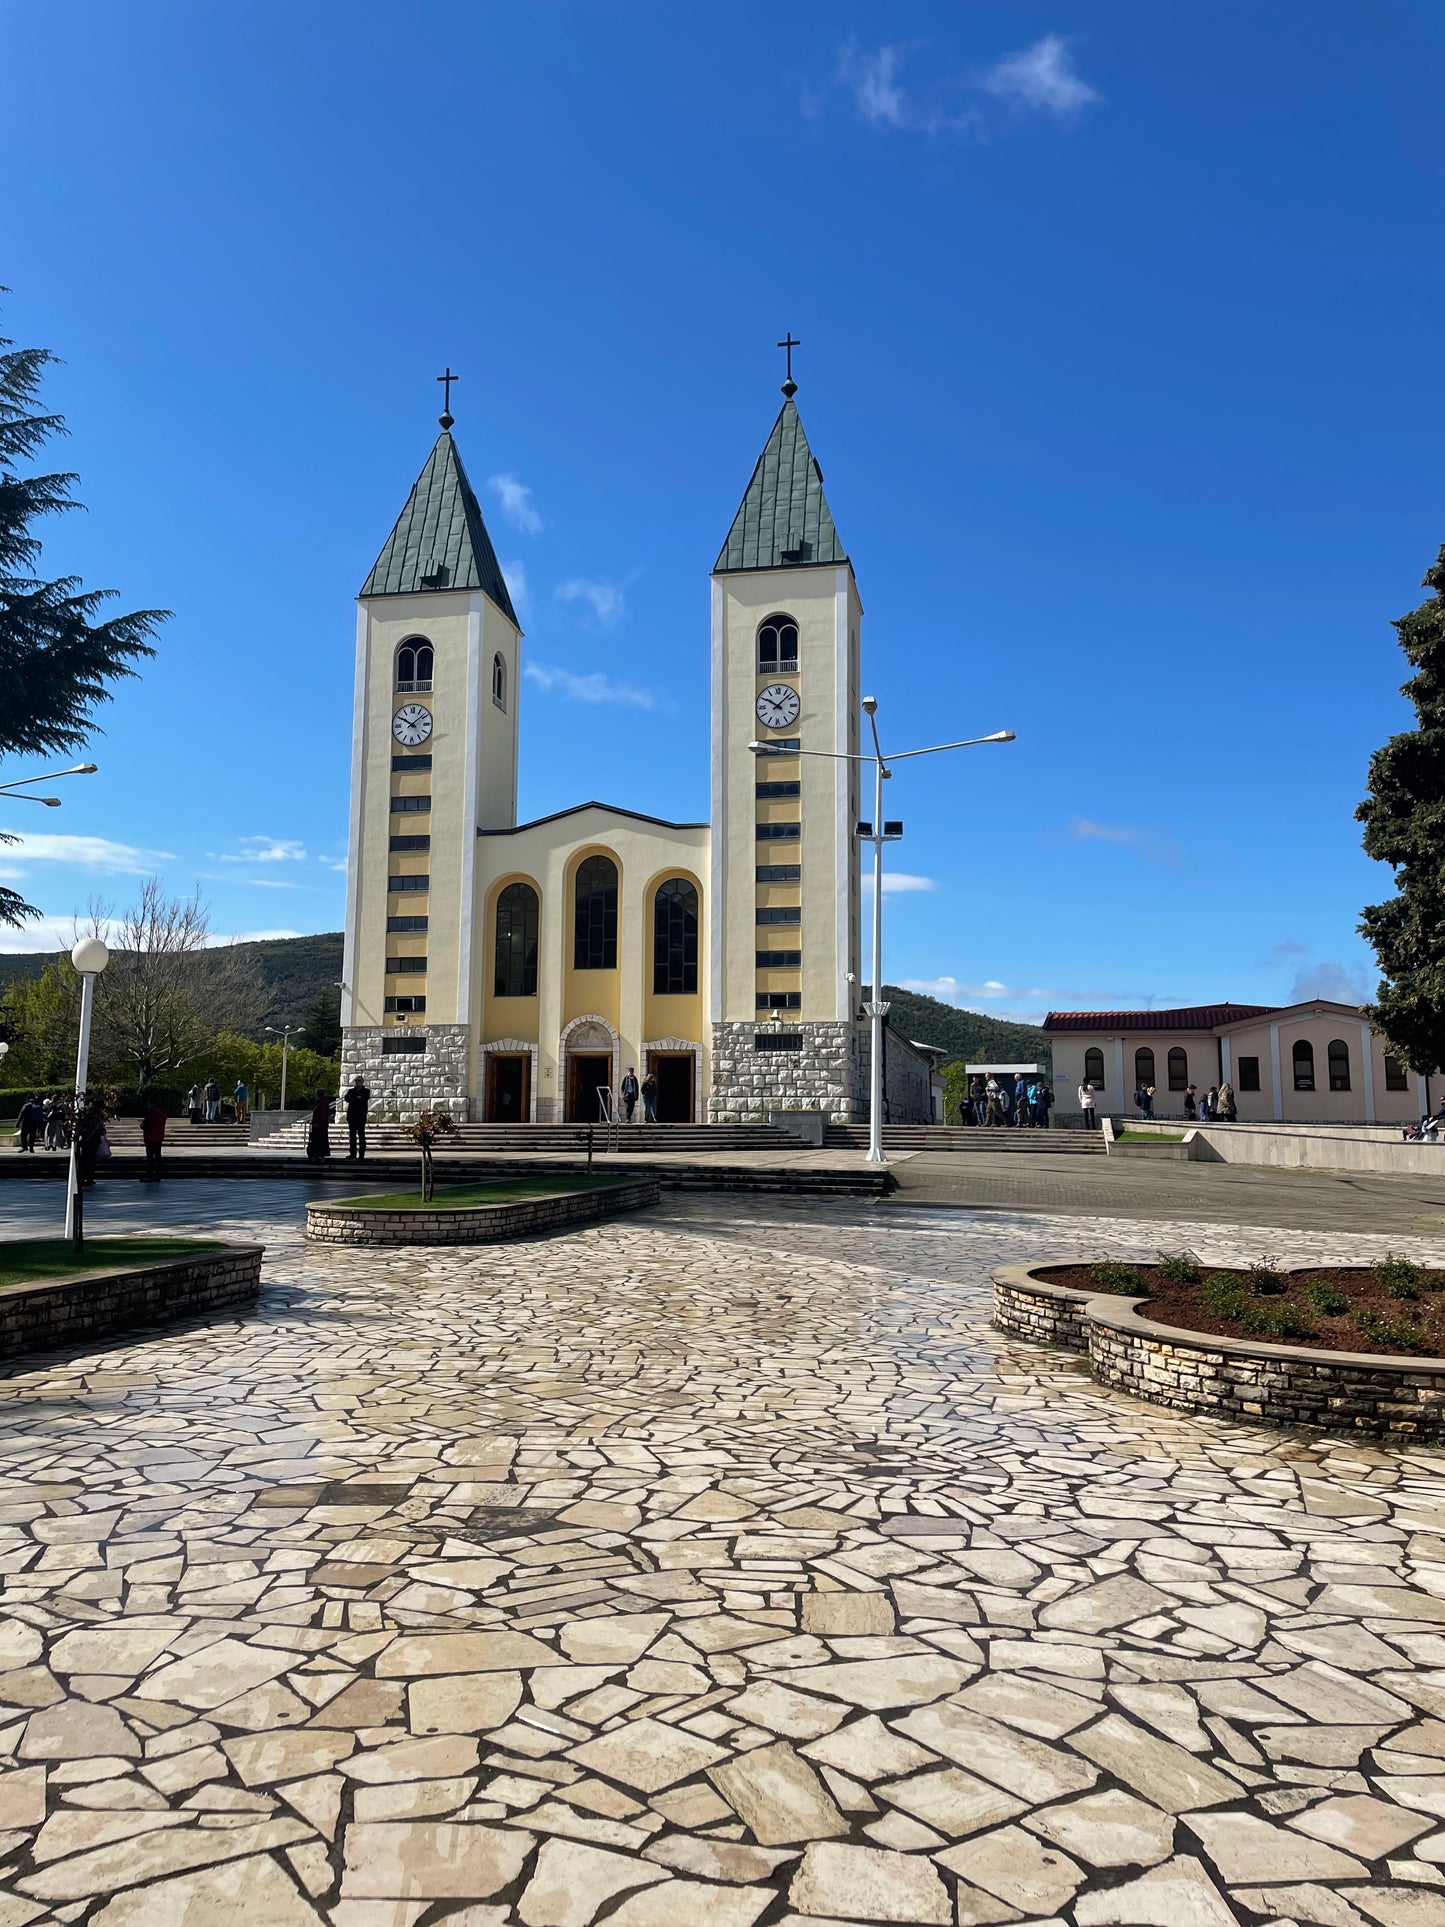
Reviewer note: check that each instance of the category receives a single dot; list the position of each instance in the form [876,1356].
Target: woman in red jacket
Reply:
[153,1136]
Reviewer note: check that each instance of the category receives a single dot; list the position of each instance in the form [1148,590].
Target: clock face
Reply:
[778,706]
[411,724]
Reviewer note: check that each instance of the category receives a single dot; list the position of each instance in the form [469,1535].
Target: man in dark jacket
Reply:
[357,1101]
[29,1123]
[630,1089]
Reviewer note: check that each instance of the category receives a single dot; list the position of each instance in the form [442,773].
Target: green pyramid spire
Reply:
[784,520]
[440,540]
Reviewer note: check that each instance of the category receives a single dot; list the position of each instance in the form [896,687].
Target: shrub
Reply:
[1401,1277]
[1224,1296]
[1179,1267]
[1327,1298]
[1264,1279]
[1275,1321]
[1399,1334]
[1110,1275]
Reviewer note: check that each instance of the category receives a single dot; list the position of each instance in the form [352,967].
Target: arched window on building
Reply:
[518,917]
[595,915]
[674,939]
[1304,1065]
[1178,1070]
[1143,1068]
[1339,1064]
[1094,1068]
[414,664]
[499,682]
[777,646]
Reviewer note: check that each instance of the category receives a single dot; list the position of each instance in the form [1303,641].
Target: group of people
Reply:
[629,1090]
[46,1122]
[1025,1104]
[1429,1129]
[356,1102]
[1214,1106]
[203,1102]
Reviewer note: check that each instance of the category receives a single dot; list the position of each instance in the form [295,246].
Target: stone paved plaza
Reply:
[717,1565]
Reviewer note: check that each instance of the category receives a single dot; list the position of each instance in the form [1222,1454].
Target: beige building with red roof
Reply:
[1310,1063]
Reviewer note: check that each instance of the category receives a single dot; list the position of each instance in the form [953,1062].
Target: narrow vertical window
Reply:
[595,915]
[1304,1065]
[674,939]
[518,914]
[1339,1056]
[1178,1070]
[1094,1068]
[1143,1068]
[499,682]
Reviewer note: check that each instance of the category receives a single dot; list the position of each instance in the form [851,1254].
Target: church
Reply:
[512,972]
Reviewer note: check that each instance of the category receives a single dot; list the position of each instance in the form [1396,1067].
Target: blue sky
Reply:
[1120,354]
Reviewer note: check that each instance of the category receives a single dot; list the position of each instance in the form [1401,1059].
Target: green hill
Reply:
[968,1036]
[294,972]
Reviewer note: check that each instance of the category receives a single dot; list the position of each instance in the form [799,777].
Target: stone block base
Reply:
[99,1304]
[823,1074]
[403,1084]
[352,1223]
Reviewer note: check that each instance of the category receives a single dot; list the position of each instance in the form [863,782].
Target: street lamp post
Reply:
[89,957]
[13,792]
[876,834]
[285,1035]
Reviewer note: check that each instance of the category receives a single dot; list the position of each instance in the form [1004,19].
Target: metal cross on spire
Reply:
[790,387]
[446,417]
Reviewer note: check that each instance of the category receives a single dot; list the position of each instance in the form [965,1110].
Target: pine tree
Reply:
[1404,819]
[322,1025]
[56,655]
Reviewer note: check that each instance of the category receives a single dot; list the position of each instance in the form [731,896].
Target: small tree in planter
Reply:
[430,1126]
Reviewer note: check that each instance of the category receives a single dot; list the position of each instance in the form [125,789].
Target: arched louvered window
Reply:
[1178,1070]
[595,915]
[1143,1068]
[777,645]
[1094,1068]
[674,939]
[499,682]
[414,664]
[518,917]
[1304,1065]
[1339,1055]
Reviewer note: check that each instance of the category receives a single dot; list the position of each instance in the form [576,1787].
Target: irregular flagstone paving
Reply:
[721,1565]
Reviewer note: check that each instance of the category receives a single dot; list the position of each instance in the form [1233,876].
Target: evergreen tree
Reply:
[1404,819]
[322,1025]
[56,655]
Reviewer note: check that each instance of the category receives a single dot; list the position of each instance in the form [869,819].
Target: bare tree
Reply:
[168,988]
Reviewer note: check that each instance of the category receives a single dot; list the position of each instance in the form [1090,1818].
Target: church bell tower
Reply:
[786,620]
[434,761]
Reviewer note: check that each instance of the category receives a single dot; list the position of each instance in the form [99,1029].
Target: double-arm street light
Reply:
[285,1033]
[13,792]
[878,833]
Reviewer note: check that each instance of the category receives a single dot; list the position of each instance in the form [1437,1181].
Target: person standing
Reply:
[240,1098]
[318,1136]
[978,1098]
[1045,1104]
[628,1091]
[1148,1095]
[993,1102]
[1209,1106]
[153,1136]
[358,1103]
[1088,1103]
[54,1124]
[194,1101]
[649,1098]
[1191,1107]
[1228,1109]
[29,1123]
[1022,1114]
[213,1101]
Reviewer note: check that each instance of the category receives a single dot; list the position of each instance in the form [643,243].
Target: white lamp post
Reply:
[13,792]
[876,834]
[285,1035]
[89,958]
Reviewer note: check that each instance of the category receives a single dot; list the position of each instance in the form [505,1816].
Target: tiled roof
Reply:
[440,540]
[784,520]
[1194,1017]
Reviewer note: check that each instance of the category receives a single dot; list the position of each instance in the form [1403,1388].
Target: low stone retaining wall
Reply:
[1237,1378]
[346,1223]
[56,1312]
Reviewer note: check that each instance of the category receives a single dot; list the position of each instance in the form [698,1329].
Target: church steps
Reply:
[963,1137]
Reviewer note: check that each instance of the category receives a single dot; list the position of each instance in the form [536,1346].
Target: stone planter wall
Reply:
[478,1224]
[97,1304]
[1235,1378]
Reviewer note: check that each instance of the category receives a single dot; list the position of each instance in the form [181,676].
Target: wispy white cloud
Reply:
[896,882]
[276,883]
[516,501]
[873,78]
[338,863]
[1040,77]
[99,854]
[1336,982]
[1155,849]
[514,574]
[48,934]
[250,936]
[605,599]
[265,849]
[596,688]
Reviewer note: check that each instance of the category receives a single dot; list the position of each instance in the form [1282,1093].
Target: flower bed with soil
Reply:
[478,1214]
[1355,1348]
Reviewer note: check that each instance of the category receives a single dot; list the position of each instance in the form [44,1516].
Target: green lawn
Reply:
[503,1191]
[1150,1137]
[32,1259]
